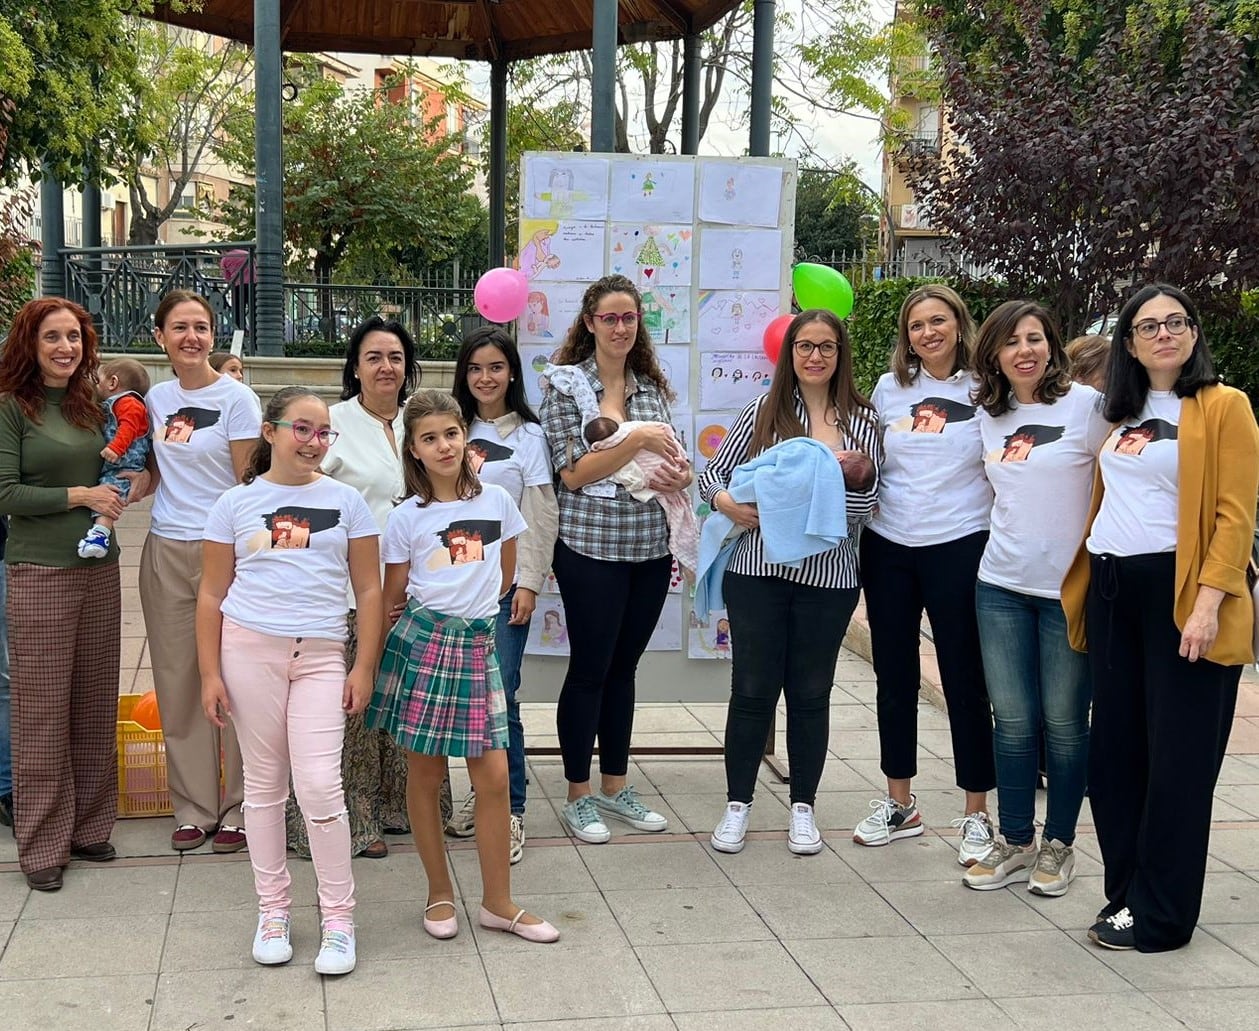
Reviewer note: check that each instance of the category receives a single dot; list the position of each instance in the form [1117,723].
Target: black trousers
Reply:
[612,609]
[899,582]
[1160,729]
[784,637]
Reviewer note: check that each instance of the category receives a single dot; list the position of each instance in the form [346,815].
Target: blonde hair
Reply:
[1087,356]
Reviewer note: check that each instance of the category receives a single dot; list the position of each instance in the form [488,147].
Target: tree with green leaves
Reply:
[836,213]
[363,179]
[1087,153]
[192,85]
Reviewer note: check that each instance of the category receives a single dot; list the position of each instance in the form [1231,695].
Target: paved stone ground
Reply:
[658,931]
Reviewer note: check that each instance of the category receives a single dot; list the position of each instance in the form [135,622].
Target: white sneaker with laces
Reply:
[517,852]
[729,835]
[336,947]
[889,821]
[976,834]
[463,823]
[271,940]
[803,837]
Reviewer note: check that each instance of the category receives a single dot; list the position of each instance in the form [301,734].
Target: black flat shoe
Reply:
[1115,932]
[101,852]
[48,879]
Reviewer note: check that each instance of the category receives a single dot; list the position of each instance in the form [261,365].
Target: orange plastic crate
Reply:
[142,789]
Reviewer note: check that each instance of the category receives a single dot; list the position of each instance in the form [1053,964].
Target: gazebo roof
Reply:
[466,29]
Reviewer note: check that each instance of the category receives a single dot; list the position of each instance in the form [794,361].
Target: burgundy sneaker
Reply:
[229,839]
[187,836]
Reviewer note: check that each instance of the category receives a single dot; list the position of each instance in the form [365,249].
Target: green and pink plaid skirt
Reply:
[438,691]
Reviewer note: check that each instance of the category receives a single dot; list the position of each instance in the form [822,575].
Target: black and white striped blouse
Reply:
[833,569]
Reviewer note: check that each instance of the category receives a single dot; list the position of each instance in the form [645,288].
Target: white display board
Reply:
[708,243]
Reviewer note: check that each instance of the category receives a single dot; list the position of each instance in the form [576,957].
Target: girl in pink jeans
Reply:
[279,550]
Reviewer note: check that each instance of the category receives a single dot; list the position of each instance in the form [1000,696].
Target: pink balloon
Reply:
[773,338]
[501,294]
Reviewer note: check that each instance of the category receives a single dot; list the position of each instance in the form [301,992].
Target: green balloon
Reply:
[820,286]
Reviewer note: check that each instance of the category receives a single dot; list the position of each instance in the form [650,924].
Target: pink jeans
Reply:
[285,695]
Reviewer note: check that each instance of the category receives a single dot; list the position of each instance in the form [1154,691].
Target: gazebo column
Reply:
[498,163]
[603,75]
[762,76]
[269,181]
[691,71]
[52,273]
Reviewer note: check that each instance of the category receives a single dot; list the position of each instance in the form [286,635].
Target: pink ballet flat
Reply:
[543,933]
[447,928]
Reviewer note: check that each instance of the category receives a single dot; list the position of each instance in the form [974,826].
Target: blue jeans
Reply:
[1034,679]
[6,740]
[509,642]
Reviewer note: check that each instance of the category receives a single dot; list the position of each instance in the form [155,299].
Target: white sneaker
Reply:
[462,824]
[336,947]
[889,822]
[803,838]
[271,940]
[976,838]
[729,835]
[517,852]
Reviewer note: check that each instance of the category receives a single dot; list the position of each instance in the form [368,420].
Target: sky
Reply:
[835,137]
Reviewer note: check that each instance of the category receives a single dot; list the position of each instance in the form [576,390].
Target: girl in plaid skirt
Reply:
[450,555]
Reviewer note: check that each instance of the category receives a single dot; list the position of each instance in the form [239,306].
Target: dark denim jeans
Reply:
[509,642]
[1034,679]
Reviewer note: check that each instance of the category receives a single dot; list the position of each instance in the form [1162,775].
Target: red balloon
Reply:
[774,333]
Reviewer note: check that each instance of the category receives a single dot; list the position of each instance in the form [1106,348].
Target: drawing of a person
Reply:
[721,637]
[1133,439]
[560,186]
[736,263]
[536,254]
[179,427]
[729,192]
[649,184]
[538,315]
[1019,444]
[554,632]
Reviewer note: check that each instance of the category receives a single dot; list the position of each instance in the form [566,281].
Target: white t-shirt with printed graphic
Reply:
[292,554]
[932,487]
[455,549]
[1039,459]
[514,462]
[1141,474]
[192,435]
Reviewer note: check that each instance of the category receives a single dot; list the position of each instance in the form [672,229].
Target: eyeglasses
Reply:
[828,349]
[304,432]
[611,318]
[1147,329]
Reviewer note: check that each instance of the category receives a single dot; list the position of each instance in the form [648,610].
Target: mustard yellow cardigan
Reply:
[1218,447]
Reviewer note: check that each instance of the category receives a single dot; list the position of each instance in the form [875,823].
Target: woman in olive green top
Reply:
[64,611]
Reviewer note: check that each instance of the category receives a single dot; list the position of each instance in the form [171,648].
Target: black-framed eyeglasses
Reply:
[611,318]
[827,348]
[1147,329]
[305,432]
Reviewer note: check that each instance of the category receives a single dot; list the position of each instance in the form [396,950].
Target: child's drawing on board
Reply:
[538,315]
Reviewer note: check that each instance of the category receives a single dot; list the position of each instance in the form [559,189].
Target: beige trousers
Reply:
[170,572]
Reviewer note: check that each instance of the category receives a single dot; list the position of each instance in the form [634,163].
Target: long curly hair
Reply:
[579,344]
[21,379]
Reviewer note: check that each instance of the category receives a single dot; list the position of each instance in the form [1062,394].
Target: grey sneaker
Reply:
[1001,863]
[1055,867]
[444,801]
[975,832]
[462,824]
[888,822]
[517,852]
[626,807]
[582,819]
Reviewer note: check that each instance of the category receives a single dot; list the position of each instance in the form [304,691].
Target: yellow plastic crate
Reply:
[142,789]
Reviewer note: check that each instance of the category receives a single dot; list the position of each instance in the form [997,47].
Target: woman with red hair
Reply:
[64,611]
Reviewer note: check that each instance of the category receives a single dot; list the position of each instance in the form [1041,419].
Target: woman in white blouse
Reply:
[380,372]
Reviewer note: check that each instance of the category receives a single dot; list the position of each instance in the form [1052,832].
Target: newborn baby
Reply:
[603,433]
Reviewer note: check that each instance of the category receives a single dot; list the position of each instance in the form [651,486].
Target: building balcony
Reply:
[911,218]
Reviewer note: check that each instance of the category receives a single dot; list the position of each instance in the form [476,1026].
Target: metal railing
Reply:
[122,286]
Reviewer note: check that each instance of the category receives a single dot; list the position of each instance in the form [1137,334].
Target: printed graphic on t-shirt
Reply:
[1131,440]
[932,414]
[291,527]
[181,424]
[1018,445]
[465,541]
[481,451]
